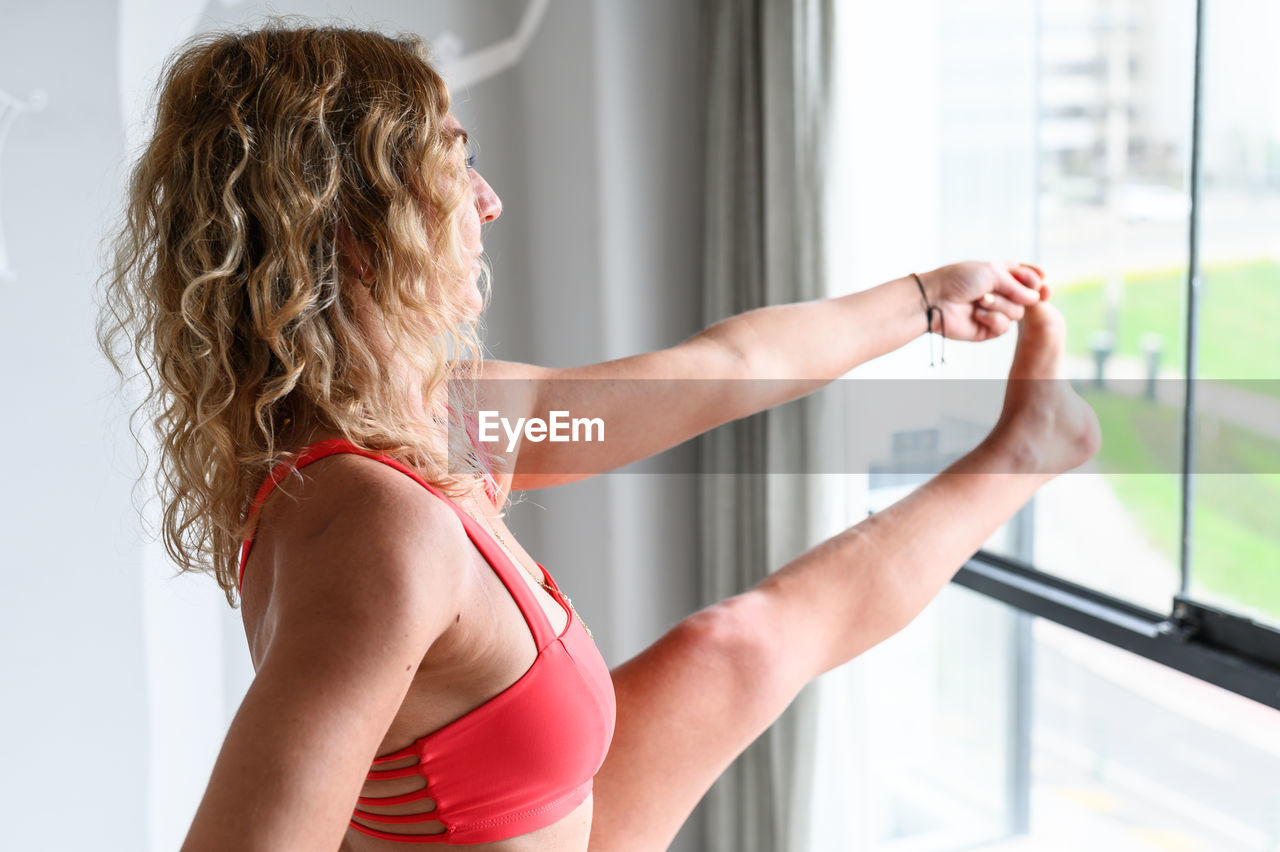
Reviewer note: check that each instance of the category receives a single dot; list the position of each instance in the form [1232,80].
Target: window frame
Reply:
[1224,648]
[1219,647]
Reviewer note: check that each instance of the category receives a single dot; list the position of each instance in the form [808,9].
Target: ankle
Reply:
[1009,449]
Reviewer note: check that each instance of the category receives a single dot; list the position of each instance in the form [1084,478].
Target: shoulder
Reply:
[363,546]
[490,370]
[510,386]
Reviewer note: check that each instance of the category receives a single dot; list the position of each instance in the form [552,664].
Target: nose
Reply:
[488,204]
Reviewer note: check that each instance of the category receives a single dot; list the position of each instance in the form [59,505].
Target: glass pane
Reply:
[1114,107]
[934,738]
[1236,525]
[914,737]
[1129,754]
[1055,132]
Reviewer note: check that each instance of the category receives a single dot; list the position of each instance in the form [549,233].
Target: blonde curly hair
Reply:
[275,150]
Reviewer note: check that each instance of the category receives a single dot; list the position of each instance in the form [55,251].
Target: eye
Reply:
[471,161]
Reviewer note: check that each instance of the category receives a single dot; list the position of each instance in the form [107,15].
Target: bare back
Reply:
[486,648]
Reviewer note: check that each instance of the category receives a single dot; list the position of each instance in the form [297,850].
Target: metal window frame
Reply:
[1194,290]
[1223,648]
[1227,649]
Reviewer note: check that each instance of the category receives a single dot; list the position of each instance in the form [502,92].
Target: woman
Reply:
[301,266]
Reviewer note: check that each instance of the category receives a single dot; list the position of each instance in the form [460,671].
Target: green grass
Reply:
[1239,330]
[1235,557]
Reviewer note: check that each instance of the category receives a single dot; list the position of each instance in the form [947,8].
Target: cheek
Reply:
[471,229]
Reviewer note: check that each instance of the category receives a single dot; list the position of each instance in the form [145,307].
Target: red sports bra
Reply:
[520,761]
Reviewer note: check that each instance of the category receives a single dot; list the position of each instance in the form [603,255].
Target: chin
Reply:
[474,301]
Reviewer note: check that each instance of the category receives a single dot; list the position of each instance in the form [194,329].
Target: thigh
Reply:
[687,706]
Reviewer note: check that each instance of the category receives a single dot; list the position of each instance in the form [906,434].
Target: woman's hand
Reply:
[980,300]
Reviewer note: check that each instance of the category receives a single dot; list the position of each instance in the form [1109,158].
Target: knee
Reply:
[742,634]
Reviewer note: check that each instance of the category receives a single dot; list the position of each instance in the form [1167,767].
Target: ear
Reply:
[353,252]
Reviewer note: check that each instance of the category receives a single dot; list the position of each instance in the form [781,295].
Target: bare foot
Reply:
[1046,425]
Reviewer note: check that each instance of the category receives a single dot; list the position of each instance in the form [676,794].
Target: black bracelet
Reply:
[928,319]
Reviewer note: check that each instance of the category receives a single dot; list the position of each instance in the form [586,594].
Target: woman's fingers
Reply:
[1040,284]
[995,303]
[995,322]
[1018,282]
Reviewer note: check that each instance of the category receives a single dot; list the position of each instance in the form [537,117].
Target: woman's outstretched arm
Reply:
[695,699]
[738,366]
[826,338]
[357,598]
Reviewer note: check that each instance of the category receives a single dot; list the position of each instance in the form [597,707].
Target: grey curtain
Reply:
[767,107]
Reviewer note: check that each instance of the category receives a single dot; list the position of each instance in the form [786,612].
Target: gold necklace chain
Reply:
[551,591]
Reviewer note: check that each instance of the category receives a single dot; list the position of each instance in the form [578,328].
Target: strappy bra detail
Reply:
[526,757]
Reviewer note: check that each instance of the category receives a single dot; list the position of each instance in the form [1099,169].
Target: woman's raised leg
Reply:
[695,699]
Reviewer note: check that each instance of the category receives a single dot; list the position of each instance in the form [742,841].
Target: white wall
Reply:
[116,674]
[75,713]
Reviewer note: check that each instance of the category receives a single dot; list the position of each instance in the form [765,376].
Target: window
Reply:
[1097,673]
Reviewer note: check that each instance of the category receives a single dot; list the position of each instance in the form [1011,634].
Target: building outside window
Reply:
[1061,132]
